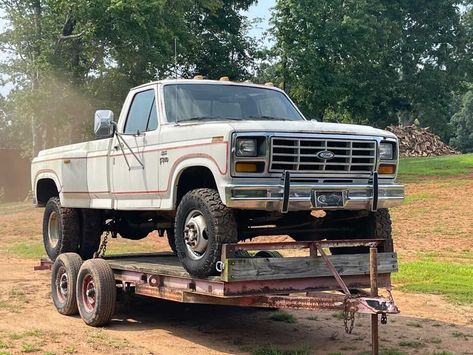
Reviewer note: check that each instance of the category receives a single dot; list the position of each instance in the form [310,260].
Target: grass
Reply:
[29,348]
[414,344]
[280,316]
[451,165]
[437,277]
[32,250]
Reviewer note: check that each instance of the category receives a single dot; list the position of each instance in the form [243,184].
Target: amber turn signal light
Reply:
[387,169]
[246,167]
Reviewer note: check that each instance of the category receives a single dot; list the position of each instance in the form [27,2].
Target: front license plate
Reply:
[328,199]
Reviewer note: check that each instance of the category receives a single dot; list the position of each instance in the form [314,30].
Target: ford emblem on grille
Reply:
[325,155]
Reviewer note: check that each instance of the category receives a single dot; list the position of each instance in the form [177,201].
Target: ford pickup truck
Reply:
[208,162]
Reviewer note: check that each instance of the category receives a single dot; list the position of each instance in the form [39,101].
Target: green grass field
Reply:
[441,272]
[452,165]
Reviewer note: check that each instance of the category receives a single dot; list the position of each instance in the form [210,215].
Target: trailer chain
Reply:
[100,253]
[384,318]
[348,316]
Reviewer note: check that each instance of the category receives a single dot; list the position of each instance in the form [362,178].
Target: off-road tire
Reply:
[171,240]
[91,232]
[69,231]
[377,225]
[100,311]
[221,229]
[63,283]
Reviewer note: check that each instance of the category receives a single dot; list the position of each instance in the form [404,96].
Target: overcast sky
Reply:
[261,10]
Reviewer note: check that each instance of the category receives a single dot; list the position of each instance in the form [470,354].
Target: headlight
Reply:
[246,147]
[386,151]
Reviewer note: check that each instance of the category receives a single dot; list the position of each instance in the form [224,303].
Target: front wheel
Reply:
[203,224]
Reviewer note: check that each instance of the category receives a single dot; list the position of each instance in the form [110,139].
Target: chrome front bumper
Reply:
[300,196]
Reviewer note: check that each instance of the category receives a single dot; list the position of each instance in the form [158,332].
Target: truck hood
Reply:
[310,127]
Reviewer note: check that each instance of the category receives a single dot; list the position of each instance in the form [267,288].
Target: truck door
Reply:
[134,155]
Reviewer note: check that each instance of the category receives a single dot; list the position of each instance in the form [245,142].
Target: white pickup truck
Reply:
[212,162]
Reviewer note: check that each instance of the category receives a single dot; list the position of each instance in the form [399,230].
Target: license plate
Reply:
[328,199]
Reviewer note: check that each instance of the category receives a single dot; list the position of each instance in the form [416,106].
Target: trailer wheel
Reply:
[203,224]
[376,225]
[63,283]
[96,292]
[61,229]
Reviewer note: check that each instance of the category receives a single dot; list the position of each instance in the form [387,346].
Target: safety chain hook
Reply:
[100,253]
[348,316]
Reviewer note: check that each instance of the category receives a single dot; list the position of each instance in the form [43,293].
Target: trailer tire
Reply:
[63,283]
[96,292]
[202,215]
[91,233]
[61,229]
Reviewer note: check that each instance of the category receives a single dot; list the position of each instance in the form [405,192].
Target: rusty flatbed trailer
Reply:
[314,282]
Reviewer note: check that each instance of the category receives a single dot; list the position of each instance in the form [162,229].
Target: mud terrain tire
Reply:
[91,232]
[61,229]
[217,226]
[377,225]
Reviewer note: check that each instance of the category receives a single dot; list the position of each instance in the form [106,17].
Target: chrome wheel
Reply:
[53,229]
[195,234]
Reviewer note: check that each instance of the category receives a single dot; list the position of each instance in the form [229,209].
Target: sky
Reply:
[261,10]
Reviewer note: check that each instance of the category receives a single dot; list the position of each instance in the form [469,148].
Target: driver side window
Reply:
[142,116]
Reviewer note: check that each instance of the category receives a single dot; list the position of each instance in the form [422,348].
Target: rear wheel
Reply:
[91,233]
[61,229]
[96,292]
[203,224]
[376,225]
[63,282]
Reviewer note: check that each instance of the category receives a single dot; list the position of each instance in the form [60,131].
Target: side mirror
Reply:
[103,124]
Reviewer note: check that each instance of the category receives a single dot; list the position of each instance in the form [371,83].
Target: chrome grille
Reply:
[299,155]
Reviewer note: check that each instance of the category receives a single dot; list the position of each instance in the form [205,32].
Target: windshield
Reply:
[213,102]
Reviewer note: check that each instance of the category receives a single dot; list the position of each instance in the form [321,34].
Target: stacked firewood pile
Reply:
[420,142]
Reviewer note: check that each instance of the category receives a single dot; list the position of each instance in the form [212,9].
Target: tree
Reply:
[376,61]
[462,123]
[219,44]
[69,58]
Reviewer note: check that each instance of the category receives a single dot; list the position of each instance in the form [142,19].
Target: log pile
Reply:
[420,142]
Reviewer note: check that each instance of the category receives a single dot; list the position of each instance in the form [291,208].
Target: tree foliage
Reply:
[377,61]
[462,123]
[68,58]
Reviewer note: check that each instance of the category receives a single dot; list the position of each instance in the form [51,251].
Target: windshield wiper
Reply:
[209,118]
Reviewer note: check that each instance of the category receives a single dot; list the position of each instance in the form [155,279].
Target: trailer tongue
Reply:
[314,282]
